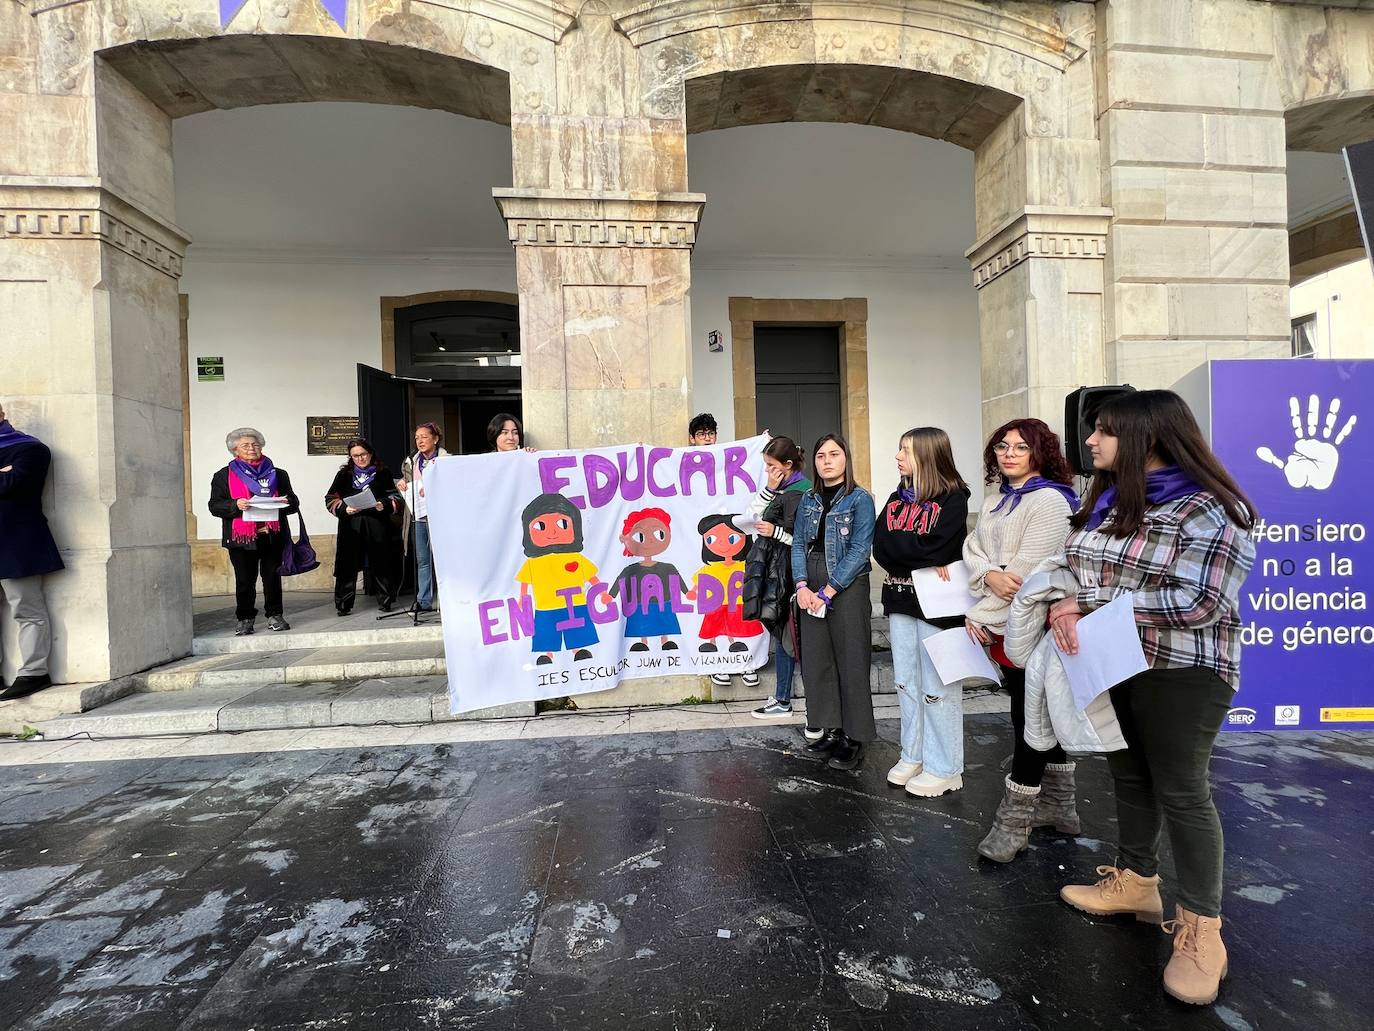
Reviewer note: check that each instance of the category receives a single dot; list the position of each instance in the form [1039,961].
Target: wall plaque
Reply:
[210,369]
[329,434]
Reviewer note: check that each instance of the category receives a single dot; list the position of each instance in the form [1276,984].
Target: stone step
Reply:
[298,666]
[53,701]
[295,640]
[237,708]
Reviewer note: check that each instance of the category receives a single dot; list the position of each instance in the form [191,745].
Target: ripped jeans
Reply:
[932,714]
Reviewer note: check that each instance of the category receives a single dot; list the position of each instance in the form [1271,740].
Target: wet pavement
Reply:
[688,879]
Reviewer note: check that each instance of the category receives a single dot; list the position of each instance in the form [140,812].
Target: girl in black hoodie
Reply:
[921,526]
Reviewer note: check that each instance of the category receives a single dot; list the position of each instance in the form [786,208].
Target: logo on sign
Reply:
[1241,717]
[1287,715]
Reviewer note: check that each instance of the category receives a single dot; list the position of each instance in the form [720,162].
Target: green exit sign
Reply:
[210,370]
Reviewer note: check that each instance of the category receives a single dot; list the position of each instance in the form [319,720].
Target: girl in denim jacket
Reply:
[831,549]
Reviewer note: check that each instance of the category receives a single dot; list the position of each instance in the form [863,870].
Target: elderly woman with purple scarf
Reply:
[255,546]
[1022,523]
[366,534]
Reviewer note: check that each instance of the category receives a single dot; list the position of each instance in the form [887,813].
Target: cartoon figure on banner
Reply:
[722,544]
[559,575]
[649,587]
[1313,460]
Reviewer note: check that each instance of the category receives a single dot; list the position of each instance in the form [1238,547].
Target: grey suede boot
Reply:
[1055,805]
[1011,825]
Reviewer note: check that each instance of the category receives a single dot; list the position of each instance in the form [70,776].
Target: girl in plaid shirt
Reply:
[1165,521]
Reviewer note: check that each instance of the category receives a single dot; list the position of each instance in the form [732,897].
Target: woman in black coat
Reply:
[365,534]
[255,547]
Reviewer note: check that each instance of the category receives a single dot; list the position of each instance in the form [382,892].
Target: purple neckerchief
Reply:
[422,460]
[10,436]
[260,479]
[364,477]
[796,477]
[1034,483]
[1161,486]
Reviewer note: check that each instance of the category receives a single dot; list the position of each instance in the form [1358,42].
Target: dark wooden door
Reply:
[797,381]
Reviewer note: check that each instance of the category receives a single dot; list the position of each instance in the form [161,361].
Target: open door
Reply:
[384,415]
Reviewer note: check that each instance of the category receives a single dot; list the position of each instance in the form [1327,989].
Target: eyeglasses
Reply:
[1002,448]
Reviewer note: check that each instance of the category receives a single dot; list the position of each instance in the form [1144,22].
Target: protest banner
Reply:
[1296,435]
[563,572]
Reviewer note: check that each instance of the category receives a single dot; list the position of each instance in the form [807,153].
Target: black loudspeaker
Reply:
[1359,169]
[1080,413]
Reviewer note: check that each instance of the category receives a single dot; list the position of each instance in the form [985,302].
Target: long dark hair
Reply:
[498,423]
[1047,455]
[362,443]
[1159,423]
[849,483]
[785,451]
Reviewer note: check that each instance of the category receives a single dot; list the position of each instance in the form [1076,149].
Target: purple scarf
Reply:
[421,460]
[364,477]
[9,436]
[1034,483]
[796,477]
[1161,486]
[260,479]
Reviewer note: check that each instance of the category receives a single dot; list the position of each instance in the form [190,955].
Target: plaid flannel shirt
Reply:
[1184,567]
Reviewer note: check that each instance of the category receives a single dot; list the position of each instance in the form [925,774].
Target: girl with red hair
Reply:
[649,587]
[1022,523]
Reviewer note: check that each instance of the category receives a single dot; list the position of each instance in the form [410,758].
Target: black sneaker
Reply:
[720,679]
[750,679]
[275,623]
[773,710]
[244,628]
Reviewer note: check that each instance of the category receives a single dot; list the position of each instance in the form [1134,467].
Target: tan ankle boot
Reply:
[1199,961]
[1119,891]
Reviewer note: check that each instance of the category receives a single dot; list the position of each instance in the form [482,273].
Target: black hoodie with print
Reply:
[911,536]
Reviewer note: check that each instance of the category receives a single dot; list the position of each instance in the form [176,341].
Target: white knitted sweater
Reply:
[1014,542]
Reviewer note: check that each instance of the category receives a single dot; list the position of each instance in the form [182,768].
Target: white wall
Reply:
[292,335]
[923,357]
[1343,301]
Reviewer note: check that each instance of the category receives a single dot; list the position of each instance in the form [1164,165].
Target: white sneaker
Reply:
[927,785]
[720,679]
[902,772]
[773,709]
[813,733]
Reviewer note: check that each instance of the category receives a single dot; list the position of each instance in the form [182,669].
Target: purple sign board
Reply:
[1296,434]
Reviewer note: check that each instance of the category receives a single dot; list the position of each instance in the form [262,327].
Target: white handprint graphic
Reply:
[1312,462]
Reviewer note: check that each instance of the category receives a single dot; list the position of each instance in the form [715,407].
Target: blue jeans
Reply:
[424,558]
[932,714]
[784,664]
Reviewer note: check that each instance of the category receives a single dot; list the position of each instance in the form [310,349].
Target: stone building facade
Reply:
[1129,164]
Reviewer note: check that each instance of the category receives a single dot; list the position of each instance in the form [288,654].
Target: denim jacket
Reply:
[848,537]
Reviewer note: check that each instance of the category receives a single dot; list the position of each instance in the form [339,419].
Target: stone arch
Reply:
[389,305]
[189,76]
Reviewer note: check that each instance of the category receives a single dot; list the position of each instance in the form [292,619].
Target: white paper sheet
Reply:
[1109,651]
[258,514]
[364,499]
[938,598]
[957,658]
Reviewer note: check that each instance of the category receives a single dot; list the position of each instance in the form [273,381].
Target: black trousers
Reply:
[1170,719]
[837,655]
[250,564]
[366,537]
[1027,765]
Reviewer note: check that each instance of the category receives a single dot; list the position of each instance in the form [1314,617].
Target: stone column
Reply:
[89,261]
[603,229]
[1194,156]
[1039,281]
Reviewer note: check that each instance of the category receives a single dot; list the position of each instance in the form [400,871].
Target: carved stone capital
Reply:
[37,210]
[546,218]
[1040,233]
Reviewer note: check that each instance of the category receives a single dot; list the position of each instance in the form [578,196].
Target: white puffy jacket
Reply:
[1051,714]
